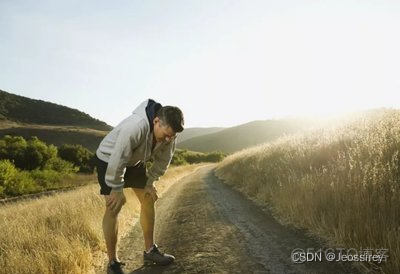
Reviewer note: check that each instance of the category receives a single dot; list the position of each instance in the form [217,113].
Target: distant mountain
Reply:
[30,111]
[195,132]
[243,136]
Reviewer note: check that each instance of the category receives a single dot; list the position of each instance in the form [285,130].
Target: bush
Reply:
[13,182]
[32,166]
[13,148]
[24,154]
[38,153]
[215,157]
[46,179]
[78,155]
[25,184]
[184,156]
[60,166]
[8,173]
[178,160]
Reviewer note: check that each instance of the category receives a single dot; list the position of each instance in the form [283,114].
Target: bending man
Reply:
[149,133]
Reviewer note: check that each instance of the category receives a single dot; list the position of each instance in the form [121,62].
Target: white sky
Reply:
[223,62]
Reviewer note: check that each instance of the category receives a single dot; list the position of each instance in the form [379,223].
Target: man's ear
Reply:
[156,120]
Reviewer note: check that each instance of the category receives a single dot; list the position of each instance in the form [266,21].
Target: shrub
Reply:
[8,173]
[47,179]
[38,153]
[32,166]
[60,166]
[13,148]
[24,154]
[192,157]
[214,157]
[78,155]
[13,182]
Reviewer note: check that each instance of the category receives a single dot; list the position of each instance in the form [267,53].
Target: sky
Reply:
[224,63]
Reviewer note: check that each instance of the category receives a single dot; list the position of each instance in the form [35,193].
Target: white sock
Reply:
[151,249]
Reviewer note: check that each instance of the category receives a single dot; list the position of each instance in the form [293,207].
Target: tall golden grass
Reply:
[63,233]
[343,183]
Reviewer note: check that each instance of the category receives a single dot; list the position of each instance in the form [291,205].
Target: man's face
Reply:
[162,132]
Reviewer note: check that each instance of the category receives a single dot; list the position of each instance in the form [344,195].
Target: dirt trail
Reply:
[211,228]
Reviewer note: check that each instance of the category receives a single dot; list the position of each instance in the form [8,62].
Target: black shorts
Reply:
[135,176]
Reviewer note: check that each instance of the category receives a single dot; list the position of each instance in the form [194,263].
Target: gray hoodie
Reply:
[129,143]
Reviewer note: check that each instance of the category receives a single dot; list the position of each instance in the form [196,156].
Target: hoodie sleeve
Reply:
[128,139]
[161,162]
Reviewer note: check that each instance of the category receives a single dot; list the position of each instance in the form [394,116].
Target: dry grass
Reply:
[342,184]
[62,233]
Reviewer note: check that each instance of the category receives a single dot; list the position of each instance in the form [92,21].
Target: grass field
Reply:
[63,233]
[342,184]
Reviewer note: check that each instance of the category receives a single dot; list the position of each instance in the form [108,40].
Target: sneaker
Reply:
[156,257]
[114,267]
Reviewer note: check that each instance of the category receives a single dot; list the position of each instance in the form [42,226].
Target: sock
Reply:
[112,262]
[150,250]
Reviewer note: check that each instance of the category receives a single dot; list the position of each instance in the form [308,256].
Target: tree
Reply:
[38,153]
[78,155]
[13,148]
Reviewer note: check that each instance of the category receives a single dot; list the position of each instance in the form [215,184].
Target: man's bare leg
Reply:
[110,230]
[147,217]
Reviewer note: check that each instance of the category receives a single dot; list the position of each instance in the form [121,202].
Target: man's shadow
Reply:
[152,269]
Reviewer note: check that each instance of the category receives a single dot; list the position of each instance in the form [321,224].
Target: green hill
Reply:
[243,136]
[51,123]
[25,110]
[58,135]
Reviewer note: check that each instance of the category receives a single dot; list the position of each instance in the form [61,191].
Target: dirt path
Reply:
[211,228]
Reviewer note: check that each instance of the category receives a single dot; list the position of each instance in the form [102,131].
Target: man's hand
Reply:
[115,200]
[151,190]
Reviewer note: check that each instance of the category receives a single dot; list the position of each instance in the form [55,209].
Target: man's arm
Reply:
[161,163]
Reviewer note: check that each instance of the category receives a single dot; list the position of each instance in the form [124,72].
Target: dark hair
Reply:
[172,116]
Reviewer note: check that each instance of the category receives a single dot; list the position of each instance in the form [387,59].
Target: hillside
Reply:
[236,138]
[51,123]
[57,135]
[30,111]
[340,183]
[190,133]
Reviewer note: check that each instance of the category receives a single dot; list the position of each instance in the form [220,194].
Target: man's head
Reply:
[167,123]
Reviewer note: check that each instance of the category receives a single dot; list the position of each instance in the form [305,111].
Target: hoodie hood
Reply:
[147,110]
[151,110]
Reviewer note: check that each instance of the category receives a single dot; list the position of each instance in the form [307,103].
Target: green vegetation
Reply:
[28,155]
[79,156]
[183,156]
[343,184]
[58,135]
[22,109]
[31,166]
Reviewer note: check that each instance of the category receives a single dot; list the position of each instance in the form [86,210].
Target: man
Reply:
[121,162]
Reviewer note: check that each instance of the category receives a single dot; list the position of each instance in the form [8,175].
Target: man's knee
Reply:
[147,201]
[144,198]
[112,212]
